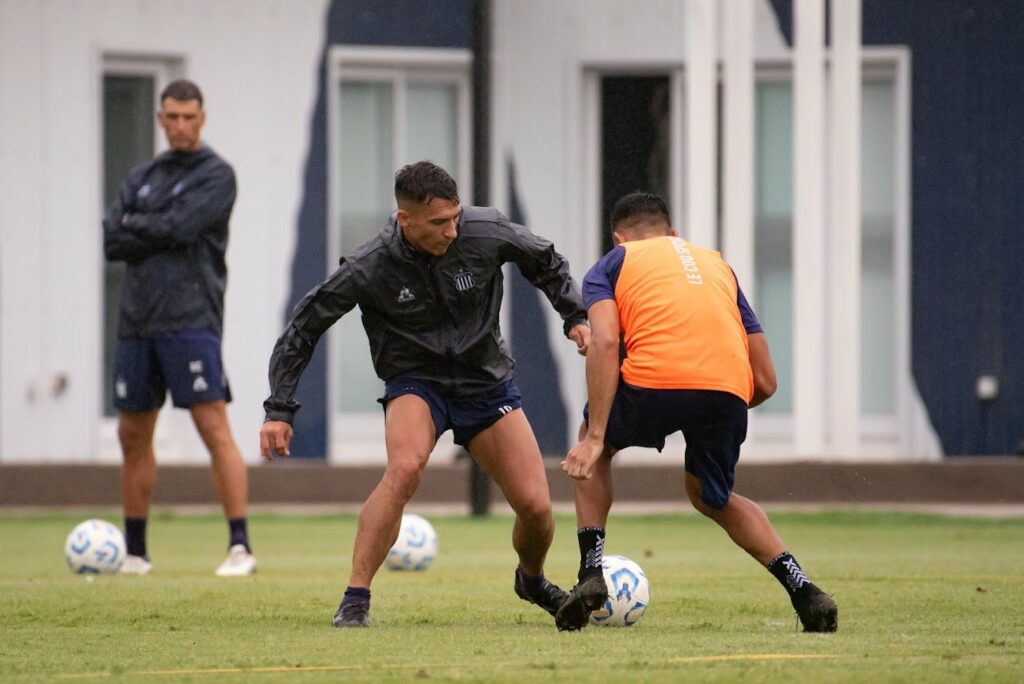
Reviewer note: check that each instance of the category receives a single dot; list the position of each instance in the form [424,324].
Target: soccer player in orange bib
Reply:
[695,359]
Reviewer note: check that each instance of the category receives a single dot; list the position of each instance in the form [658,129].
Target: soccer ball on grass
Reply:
[629,593]
[94,547]
[415,547]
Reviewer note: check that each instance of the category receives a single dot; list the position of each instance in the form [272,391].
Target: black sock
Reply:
[790,575]
[238,533]
[135,536]
[532,583]
[591,541]
[356,595]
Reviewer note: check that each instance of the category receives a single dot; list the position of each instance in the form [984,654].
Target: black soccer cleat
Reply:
[550,596]
[352,614]
[586,597]
[817,610]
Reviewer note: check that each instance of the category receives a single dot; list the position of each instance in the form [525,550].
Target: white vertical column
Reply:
[23,260]
[701,125]
[809,331]
[845,247]
[738,140]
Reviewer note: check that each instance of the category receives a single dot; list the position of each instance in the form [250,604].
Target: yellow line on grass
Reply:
[351,668]
[239,670]
[751,656]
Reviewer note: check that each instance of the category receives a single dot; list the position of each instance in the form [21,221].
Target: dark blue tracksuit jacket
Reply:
[169,223]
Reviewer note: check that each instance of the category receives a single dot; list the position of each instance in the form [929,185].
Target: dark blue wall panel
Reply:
[409,23]
[967,110]
[536,367]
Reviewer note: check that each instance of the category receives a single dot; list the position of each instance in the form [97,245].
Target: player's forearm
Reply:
[189,215]
[119,244]
[319,310]
[602,382]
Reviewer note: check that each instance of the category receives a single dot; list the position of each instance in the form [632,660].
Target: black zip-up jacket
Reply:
[170,224]
[430,318]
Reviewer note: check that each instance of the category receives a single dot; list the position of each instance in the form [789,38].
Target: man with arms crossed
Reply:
[170,224]
[429,286]
[696,358]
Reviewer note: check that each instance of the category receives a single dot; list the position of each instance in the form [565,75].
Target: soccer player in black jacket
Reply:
[169,223]
[429,286]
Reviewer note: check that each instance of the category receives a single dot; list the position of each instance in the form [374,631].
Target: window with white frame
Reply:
[388,107]
[880,289]
[130,89]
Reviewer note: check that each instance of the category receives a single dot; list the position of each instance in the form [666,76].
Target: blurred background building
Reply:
[857,161]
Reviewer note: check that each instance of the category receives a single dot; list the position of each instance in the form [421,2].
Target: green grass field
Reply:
[921,598]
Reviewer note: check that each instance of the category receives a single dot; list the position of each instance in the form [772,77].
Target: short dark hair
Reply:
[182,90]
[422,182]
[639,205]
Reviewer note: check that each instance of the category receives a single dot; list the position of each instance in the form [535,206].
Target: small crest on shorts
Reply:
[199,384]
[121,388]
[405,296]
[195,366]
[464,281]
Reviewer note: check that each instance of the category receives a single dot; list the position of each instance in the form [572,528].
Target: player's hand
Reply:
[580,334]
[275,436]
[579,463]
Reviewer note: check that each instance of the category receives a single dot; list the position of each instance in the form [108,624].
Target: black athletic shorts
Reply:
[466,416]
[187,363]
[714,425]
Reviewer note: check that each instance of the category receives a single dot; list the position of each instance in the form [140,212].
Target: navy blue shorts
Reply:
[714,425]
[466,416]
[187,363]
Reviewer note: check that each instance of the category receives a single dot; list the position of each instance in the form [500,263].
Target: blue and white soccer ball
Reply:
[629,593]
[415,547]
[94,547]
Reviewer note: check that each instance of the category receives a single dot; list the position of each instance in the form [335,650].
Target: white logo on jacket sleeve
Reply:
[405,296]
[464,281]
[143,191]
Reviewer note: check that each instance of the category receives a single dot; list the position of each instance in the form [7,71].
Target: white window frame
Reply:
[882,437]
[162,68]
[358,437]
[770,436]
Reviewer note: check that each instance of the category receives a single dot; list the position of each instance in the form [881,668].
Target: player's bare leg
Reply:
[748,526]
[230,476]
[138,474]
[508,452]
[594,497]
[138,477]
[743,520]
[409,437]
[231,480]
[593,500]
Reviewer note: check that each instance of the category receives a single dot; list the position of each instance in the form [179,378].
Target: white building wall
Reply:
[257,63]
